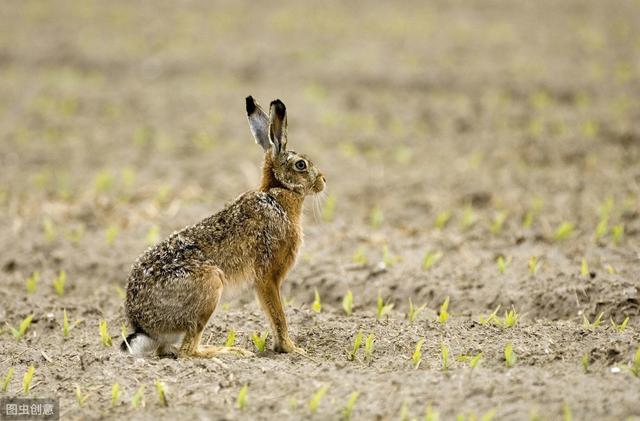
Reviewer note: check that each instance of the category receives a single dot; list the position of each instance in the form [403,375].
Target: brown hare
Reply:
[174,287]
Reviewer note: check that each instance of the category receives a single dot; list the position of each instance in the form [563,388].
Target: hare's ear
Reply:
[278,126]
[258,123]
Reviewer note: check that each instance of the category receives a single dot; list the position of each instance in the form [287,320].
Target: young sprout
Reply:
[610,269]
[534,265]
[584,268]
[430,259]
[105,338]
[49,230]
[389,259]
[444,356]
[414,311]
[404,411]
[153,235]
[490,318]
[65,323]
[356,346]
[314,402]
[27,378]
[347,303]
[260,341]
[115,394]
[317,305]
[368,347]
[473,362]
[32,282]
[103,181]
[620,327]
[416,357]
[498,222]
[502,264]
[7,379]
[22,328]
[161,390]
[601,228]
[468,218]
[241,400]
[360,256]
[617,232]
[509,356]
[376,217]
[566,412]
[587,325]
[442,219]
[382,308]
[137,400]
[329,208]
[585,362]
[348,408]
[510,318]
[59,281]
[444,313]
[430,414]
[111,234]
[564,231]
[80,398]
[635,364]
[231,339]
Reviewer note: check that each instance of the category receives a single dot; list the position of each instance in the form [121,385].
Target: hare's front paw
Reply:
[288,347]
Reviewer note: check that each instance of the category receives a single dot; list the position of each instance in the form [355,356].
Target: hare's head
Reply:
[283,168]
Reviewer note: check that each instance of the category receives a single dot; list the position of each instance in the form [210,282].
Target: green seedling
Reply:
[620,327]
[260,340]
[103,181]
[564,231]
[241,400]
[635,364]
[347,303]
[444,356]
[111,234]
[601,228]
[416,357]
[7,379]
[163,195]
[65,324]
[430,414]
[442,219]
[356,346]
[473,362]
[566,412]
[153,235]
[414,312]
[32,282]
[137,400]
[404,411]
[382,308]
[389,259]
[231,339]
[27,378]
[444,313]
[161,391]
[617,233]
[360,256]
[502,264]
[314,402]
[115,394]
[50,232]
[498,222]
[610,269]
[368,347]
[347,411]
[430,259]
[510,319]
[329,208]
[584,268]
[317,305]
[509,356]
[585,362]
[22,328]
[527,219]
[105,338]
[468,218]
[80,398]
[606,207]
[534,265]
[493,317]
[587,325]
[59,281]
[376,217]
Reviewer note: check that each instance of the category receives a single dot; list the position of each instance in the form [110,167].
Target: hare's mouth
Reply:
[319,184]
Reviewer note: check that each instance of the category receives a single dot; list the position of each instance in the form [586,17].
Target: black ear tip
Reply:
[279,107]
[251,105]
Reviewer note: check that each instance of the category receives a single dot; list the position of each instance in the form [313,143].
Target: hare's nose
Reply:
[323,179]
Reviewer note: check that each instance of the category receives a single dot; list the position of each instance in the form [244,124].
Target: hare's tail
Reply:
[138,343]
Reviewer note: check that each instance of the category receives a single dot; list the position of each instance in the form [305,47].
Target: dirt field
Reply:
[460,134]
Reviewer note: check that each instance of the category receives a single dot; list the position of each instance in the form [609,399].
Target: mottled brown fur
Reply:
[175,286]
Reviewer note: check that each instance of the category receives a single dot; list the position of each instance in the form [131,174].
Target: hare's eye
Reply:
[301,165]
